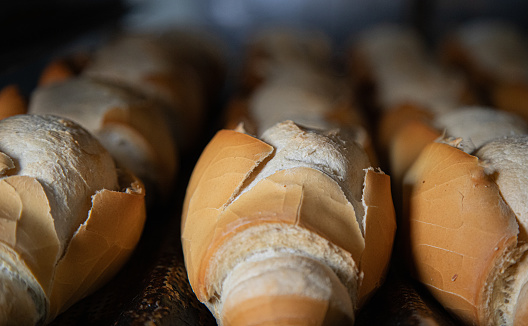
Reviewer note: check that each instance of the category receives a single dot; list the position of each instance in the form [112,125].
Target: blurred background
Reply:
[33,30]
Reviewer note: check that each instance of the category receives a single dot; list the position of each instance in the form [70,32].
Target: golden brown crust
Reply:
[228,151]
[402,133]
[380,230]
[100,247]
[459,229]
[31,229]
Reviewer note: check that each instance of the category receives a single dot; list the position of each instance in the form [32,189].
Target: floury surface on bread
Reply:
[477,125]
[56,184]
[303,202]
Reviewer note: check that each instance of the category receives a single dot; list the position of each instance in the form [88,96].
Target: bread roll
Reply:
[65,207]
[394,61]
[465,224]
[131,127]
[296,223]
[142,63]
[494,56]
[405,87]
[298,84]
[490,51]
[281,47]
[202,50]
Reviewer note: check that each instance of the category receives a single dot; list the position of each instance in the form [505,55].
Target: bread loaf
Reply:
[493,55]
[130,126]
[69,221]
[296,83]
[403,86]
[489,51]
[465,228]
[393,62]
[143,63]
[298,224]
[279,47]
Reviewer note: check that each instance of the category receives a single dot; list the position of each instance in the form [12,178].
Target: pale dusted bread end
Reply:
[281,247]
[477,125]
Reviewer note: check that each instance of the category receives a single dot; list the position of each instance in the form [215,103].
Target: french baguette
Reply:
[296,83]
[70,218]
[271,48]
[143,63]
[493,55]
[465,228]
[296,223]
[393,62]
[131,127]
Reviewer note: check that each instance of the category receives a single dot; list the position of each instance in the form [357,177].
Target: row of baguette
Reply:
[288,218]
[459,172]
[88,155]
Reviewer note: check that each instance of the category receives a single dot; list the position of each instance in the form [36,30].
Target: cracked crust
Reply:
[283,185]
